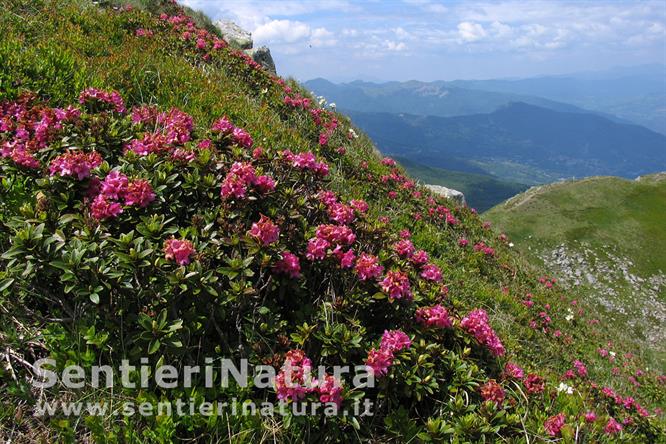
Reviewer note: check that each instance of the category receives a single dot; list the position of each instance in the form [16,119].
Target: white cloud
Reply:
[321,37]
[395,46]
[471,32]
[279,31]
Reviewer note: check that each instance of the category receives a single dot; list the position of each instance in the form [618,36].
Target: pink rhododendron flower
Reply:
[534,384]
[288,265]
[151,143]
[265,231]
[92,95]
[513,370]
[580,368]
[294,380]
[379,361]
[463,242]
[264,184]
[139,193]
[368,267]
[590,417]
[178,250]
[388,162]
[336,234]
[359,205]
[75,163]
[396,285]
[492,391]
[327,197]
[330,390]
[242,137]
[104,208]
[612,427]
[341,213]
[554,424]
[115,185]
[419,258]
[395,340]
[431,272]
[476,323]
[223,125]
[346,259]
[404,248]
[316,249]
[435,316]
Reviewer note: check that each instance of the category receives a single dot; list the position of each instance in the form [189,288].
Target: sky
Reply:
[382,40]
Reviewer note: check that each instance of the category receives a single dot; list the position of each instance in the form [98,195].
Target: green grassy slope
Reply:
[611,228]
[481,191]
[87,289]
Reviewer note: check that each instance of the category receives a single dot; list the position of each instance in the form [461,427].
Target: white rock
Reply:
[449,193]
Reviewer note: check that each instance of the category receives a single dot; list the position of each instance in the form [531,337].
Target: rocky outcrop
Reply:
[236,36]
[239,38]
[449,193]
[262,55]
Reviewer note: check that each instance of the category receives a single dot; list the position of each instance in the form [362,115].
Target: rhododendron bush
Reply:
[215,211]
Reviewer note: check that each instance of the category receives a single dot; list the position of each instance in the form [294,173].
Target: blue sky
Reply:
[428,40]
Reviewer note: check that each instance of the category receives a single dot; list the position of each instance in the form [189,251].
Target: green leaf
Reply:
[94,298]
[154,347]
[6,284]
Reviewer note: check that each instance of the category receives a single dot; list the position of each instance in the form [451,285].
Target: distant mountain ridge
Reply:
[520,142]
[443,99]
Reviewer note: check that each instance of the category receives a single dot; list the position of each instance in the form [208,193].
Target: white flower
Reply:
[565,388]
[353,133]
[510,244]
[332,105]
[612,354]
[569,317]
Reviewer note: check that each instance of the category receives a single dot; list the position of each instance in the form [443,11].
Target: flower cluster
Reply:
[554,424]
[492,391]
[238,135]
[435,316]
[242,175]
[115,188]
[476,323]
[513,370]
[485,249]
[178,250]
[26,128]
[289,265]
[305,161]
[368,267]
[265,231]
[431,272]
[534,384]
[95,97]
[294,380]
[379,360]
[75,163]
[396,285]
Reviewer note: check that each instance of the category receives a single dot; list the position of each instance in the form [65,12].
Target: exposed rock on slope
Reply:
[242,39]
[449,193]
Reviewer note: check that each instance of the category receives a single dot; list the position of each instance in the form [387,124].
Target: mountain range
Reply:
[519,142]
[525,131]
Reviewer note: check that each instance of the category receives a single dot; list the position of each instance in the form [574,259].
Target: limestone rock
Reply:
[236,36]
[449,193]
[262,56]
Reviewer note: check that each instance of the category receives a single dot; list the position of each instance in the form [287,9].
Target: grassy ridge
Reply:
[602,219]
